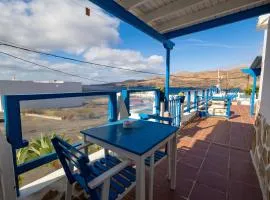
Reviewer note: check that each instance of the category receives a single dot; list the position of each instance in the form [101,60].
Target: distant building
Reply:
[9,87]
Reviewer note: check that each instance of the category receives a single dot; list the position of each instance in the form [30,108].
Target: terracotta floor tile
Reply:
[203,192]
[213,180]
[183,187]
[216,165]
[184,171]
[245,175]
[222,138]
[236,154]
[184,142]
[240,191]
[218,150]
[197,144]
[191,160]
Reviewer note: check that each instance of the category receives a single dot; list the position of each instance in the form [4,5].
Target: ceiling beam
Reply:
[235,17]
[118,11]
[205,14]
[175,6]
[129,4]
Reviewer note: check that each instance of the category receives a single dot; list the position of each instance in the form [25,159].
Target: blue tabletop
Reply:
[142,137]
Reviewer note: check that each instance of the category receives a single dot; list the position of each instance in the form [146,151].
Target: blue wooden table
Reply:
[136,143]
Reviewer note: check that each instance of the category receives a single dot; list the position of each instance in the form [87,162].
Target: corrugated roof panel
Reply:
[222,8]
[192,12]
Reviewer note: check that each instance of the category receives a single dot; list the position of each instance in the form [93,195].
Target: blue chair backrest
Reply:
[144,116]
[70,156]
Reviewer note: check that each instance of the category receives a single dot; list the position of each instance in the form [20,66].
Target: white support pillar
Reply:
[264,95]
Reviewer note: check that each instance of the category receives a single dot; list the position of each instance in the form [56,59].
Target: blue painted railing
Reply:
[12,114]
[175,110]
[198,101]
[13,118]
[125,94]
[228,101]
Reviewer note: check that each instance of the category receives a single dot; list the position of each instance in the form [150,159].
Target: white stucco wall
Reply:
[30,87]
[265,77]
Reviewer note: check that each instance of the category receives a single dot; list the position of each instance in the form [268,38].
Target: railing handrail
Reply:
[26,97]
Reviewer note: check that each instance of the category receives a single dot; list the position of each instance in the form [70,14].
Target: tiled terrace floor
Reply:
[213,161]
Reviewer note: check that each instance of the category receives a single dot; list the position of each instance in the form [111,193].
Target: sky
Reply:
[62,28]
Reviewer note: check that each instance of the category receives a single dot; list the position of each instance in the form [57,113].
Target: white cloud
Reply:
[124,58]
[56,25]
[63,26]
[129,59]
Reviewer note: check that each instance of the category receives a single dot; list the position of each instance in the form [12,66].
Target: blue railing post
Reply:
[188,101]
[167,80]
[13,131]
[179,112]
[195,99]
[157,102]
[203,95]
[206,100]
[112,107]
[228,111]
[125,97]
[211,92]
[13,122]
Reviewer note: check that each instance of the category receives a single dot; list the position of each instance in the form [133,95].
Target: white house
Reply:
[261,142]
[9,87]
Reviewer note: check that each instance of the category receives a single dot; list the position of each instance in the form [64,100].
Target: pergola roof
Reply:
[257,63]
[169,15]
[167,19]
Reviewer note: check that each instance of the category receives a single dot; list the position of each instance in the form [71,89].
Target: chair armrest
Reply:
[111,172]
[84,145]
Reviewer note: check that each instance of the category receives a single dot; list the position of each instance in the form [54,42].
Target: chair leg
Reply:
[105,189]
[151,176]
[106,152]
[85,141]
[68,191]
[169,152]
[68,195]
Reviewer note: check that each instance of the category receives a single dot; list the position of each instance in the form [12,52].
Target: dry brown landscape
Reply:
[230,79]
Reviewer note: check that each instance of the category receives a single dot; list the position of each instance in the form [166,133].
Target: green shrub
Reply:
[248,90]
[37,147]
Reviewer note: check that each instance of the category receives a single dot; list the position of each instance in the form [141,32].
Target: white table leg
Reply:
[169,150]
[173,163]
[151,176]
[140,182]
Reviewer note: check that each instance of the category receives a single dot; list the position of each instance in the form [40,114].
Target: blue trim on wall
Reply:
[253,12]
[115,9]
[253,73]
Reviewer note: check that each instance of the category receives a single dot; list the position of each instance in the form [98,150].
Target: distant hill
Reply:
[231,78]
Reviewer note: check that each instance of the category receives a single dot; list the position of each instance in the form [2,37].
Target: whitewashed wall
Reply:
[265,82]
[8,87]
